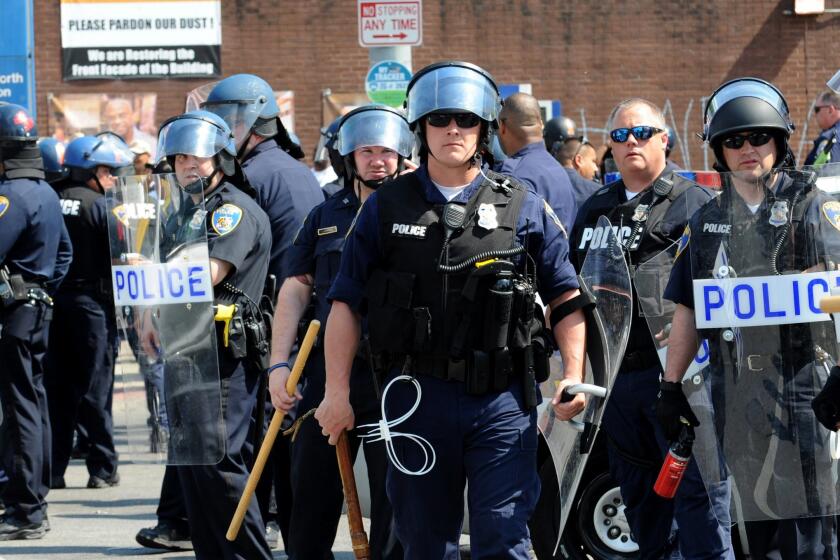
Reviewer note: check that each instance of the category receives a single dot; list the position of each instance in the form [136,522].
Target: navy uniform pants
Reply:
[316,483]
[80,369]
[702,520]
[488,441]
[25,431]
[211,492]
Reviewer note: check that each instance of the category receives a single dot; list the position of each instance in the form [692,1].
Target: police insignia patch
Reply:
[226,218]
[686,236]
[121,214]
[550,211]
[832,213]
[4,205]
[197,219]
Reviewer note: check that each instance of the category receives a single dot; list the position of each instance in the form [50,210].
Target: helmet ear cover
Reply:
[266,128]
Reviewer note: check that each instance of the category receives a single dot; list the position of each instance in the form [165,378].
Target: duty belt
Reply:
[639,360]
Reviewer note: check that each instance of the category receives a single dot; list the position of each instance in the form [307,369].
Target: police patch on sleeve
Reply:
[550,211]
[225,218]
[831,210]
[4,205]
[121,214]
[686,236]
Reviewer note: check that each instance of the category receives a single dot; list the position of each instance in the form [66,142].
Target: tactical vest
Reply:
[472,324]
[646,225]
[764,250]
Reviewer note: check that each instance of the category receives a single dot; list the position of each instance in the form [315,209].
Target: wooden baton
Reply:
[830,304]
[358,537]
[271,434]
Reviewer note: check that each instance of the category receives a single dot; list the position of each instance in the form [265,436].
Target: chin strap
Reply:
[200,185]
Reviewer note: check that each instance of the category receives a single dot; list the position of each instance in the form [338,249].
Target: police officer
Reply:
[52,154]
[373,140]
[35,253]
[80,362]
[650,212]
[556,132]
[827,145]
[200,147]
[520,134]
[767,219]
[429,254]
[287,191]
[578,158]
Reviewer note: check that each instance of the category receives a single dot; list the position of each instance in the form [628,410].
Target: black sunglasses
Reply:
[463,120]
[754,138]
[818,108]
[621,135]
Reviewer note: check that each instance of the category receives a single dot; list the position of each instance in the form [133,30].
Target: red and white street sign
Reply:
[384,23]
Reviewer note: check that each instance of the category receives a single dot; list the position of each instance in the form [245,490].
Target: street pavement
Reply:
[101,523]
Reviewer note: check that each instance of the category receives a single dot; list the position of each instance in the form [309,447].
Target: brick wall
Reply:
[587,53]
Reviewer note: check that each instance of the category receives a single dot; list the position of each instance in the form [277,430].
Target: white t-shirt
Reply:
[631,195]
[449,193]
[753,207]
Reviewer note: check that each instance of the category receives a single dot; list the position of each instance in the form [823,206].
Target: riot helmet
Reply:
[748,104]
[201,134]
[86,153]
[246,102]
[373,125]
[834,82]
[18,137]
[325,150]
[556,131]
[454,87]
[52,154]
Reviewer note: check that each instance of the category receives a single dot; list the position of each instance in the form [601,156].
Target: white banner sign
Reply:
[155,284]
[762,300]
[140,39]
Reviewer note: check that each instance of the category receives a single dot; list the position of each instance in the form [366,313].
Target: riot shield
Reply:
[762,255]
[163,294]
[605,277]
[650,279]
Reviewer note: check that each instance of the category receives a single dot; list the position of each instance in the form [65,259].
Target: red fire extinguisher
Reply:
[676,461]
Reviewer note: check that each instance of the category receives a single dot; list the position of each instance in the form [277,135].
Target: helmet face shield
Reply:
[193,135]
[834,83]
[746,87]
[453,89]
[239,115]
[375,128]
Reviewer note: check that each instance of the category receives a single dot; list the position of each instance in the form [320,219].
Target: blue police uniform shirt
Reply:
[535,167]
[33,238]
[286,190]
[538,229]
[828,139]
[317,247]
[238,233]
[582,188]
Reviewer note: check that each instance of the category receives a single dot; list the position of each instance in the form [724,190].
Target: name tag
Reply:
[762,300]
[155,284]
[327,230]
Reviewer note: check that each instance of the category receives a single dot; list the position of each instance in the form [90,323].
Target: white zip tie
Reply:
[381,431]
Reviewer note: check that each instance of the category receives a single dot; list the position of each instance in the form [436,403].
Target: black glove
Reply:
[826,405]
[673,411]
